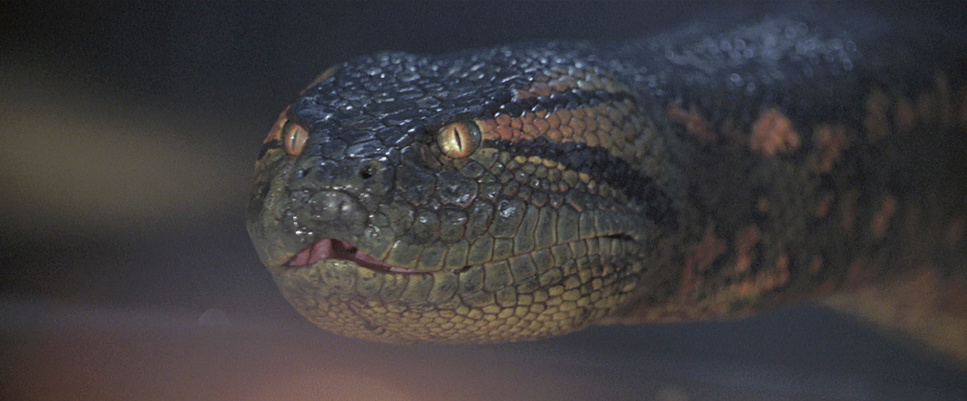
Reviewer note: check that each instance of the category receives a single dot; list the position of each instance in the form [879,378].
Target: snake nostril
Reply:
[369,169]
[367,172]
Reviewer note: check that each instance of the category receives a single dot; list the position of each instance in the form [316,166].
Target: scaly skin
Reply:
[527,191]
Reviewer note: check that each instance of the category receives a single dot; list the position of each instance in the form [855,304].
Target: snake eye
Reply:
[459,140]
[294,138]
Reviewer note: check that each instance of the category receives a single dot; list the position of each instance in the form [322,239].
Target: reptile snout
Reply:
[335,211]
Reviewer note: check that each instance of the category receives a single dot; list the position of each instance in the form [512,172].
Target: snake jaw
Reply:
[331,248]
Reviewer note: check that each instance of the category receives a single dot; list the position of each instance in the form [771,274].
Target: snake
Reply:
[525,191]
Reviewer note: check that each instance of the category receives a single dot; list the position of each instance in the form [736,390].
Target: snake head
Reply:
[497,195]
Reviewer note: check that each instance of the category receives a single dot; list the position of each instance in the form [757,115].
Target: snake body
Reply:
[526,191]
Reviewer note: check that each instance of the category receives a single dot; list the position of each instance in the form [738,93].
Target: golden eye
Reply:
[294,138]
[459,140]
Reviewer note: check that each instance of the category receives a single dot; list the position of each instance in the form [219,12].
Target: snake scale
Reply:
[526,191]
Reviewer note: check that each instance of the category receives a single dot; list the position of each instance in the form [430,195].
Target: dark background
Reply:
[128,134]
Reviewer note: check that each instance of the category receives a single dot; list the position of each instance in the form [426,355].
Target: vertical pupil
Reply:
[456,138]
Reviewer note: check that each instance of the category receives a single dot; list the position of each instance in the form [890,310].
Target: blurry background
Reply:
[128,133]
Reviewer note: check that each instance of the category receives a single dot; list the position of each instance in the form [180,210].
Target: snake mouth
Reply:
[330,248]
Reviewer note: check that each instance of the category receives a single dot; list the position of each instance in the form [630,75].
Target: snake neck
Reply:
[805,171]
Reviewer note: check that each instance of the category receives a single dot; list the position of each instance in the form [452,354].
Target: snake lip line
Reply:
[330,248]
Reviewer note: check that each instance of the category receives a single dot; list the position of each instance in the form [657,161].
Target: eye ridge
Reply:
[460,139]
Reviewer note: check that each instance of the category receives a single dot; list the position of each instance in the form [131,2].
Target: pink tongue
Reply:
[328,248]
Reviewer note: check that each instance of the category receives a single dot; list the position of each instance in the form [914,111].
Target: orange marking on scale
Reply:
[831,141]
[824,204]
[613,126]
[772,133]
[558,80]
[695,125]
[815,265]
[744,243]
[701,255]
[877,106]
[767,280]
[881,220]
[762,204]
